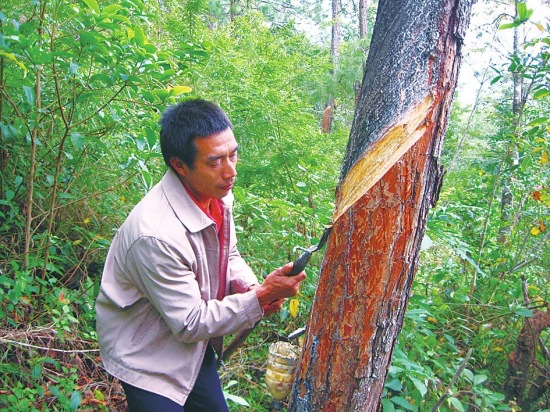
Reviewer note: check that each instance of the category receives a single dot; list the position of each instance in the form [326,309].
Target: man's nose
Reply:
[230,169]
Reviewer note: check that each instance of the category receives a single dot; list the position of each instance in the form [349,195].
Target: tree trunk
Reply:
[363,7]
[3,152]
[326,122]
[518,101]
[328,112]
[363,19]
[373,251]
[526,380]
[519,375]
[232,10]
[335,38]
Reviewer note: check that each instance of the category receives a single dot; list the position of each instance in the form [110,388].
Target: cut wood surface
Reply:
[381,156]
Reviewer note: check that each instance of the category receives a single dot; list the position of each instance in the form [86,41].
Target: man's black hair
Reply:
[182,123]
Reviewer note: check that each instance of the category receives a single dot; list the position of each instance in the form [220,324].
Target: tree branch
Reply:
[447,392]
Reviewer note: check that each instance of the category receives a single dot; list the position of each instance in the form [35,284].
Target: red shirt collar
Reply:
[214,212]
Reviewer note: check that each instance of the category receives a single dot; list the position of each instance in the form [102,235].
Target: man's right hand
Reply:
[278,286]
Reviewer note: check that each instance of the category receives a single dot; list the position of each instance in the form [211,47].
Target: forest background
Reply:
[82,85]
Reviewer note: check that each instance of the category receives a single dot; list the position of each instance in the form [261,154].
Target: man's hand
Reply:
[273,307]
[278,286]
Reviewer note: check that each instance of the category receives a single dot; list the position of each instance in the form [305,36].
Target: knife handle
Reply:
[300,263]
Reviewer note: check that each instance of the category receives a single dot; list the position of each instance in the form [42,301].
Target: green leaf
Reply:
[76,399]
[419,385]
[499,397]
[39,55]
[73,68]
[95,40]
[102,77]
[394,385]
[78,140]
[113,8]
[121,18]
[133,4]
[92,5]
[85,96]
[540,93]
[479,379]
[36,372]
[11,56]
[147,178]
[240,194]
[140,143]
[538,121]
[161,94]
[509,25]
[139,36]
[177,90]
[152,137]
[150,48]
[527,313]
[524,13]
[456,404]
[426,243]
[399,400]
[387,406]
[237,399]
[280,203]
[522,10]
[29,93]
[148,96]
[496,79]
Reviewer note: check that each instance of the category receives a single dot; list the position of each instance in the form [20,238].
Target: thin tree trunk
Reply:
[3,152]
[363,26]
[328,112]
[336,33]
[326,123]
[363,7]
[232,10]
[32,160]
[507,199]
[372,254]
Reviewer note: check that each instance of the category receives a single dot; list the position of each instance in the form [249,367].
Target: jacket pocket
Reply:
[145,324]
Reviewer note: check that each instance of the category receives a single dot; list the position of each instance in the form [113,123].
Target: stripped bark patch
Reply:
[381,156]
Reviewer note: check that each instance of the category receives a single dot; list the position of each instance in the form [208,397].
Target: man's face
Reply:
[214,171]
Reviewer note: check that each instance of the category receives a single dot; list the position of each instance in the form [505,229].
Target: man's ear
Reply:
[179,166]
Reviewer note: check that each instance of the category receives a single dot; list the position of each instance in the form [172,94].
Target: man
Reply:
[174,282]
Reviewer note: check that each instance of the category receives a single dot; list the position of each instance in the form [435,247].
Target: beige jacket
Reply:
[156,309]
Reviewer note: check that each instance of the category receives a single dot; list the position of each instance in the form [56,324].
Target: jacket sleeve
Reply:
[167,279]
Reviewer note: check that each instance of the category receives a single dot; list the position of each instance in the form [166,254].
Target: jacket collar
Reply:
[184,207]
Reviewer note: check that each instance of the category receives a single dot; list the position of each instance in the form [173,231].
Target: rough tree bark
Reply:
[519,375]
[527,381]
[372,253]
